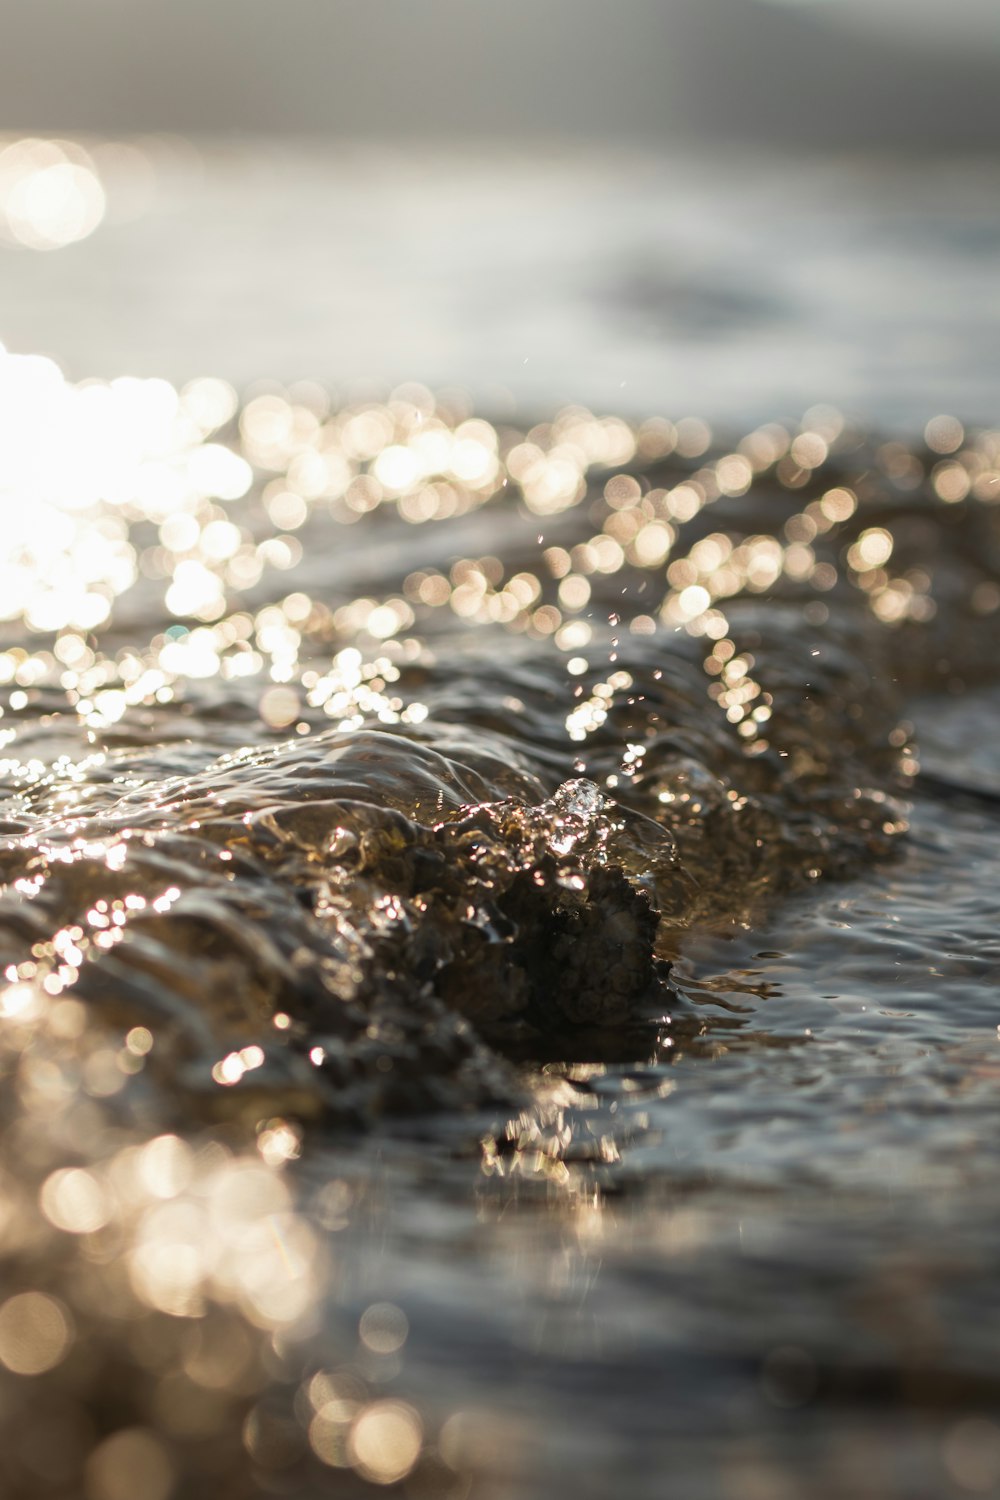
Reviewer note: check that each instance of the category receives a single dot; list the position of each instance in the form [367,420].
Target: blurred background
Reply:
[732,207]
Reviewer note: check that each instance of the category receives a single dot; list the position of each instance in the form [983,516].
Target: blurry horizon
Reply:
[734,207]
[806,73]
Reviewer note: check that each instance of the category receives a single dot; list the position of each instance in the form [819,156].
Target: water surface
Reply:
[499,950]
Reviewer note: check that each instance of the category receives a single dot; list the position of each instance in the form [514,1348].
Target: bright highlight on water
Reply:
[552,839]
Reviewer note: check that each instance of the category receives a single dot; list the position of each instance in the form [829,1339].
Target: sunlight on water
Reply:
[50,193]
[558,790]
[55,193]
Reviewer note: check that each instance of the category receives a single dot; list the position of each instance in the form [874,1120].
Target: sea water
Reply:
[500,968]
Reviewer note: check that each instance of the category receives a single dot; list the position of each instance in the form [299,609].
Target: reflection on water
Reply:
[493,1004]
[56,193]
[742,285]
[50,193]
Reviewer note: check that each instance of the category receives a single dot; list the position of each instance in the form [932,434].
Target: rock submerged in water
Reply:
[485,920]
[513,914]
[363,921]
[284,907]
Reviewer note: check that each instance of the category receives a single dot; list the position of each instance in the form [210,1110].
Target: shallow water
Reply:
[364,1125]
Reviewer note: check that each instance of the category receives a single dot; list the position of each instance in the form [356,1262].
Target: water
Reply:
[362,1123]
[742,285]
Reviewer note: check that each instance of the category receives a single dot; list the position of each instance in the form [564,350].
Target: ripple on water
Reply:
[540,802]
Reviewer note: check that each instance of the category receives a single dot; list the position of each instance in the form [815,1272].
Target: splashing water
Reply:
[483,1006]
